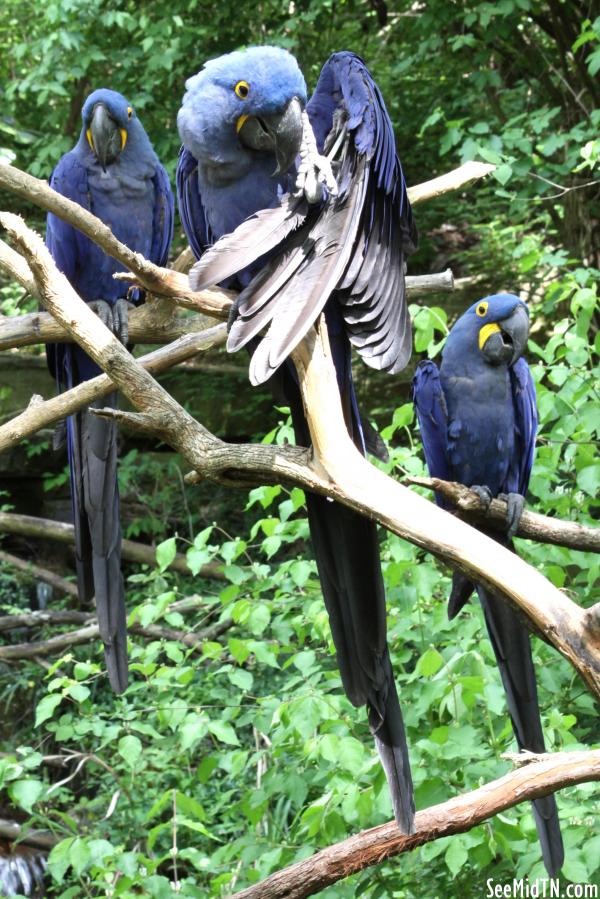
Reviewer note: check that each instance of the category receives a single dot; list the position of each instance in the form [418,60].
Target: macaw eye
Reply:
[129,112]
[242,89]
[482,309]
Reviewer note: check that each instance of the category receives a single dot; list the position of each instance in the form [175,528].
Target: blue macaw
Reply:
[478,420]
[318,234]
[114,172]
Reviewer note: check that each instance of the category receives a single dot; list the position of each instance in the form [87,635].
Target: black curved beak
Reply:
[508,343]
[106,137]
[280,134]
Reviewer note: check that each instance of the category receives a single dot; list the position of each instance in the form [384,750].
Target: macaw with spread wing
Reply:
[478,420]
[114,172]
[306,206]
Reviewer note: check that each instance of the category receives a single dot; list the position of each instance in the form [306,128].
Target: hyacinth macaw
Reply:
[333,234]
[114,172]
[478,420]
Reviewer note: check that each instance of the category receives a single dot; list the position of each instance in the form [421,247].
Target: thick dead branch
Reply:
[335,468]
[43,618]
[41,839]
[46,413]
[52,646]
[371,847]
[532,525]
[168,282]
[156,321]
[132,551]
[58,618]
[62,642]
[36,572]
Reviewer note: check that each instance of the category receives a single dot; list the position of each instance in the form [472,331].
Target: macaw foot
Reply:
[484,494]
[104,312]
[515,504]
[115,317]
[314,171]
[120,313]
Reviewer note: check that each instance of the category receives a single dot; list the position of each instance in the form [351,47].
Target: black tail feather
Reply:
[93,459]
[510,641]
[390,740]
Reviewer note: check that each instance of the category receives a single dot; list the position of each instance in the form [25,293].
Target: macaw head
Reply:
[108,119]
[246,101]
[497,327]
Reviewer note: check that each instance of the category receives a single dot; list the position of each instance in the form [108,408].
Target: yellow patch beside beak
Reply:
[88,134]
[123,138]
[486,332]
[240,123]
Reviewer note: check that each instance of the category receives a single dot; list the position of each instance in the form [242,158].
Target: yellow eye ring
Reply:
[482,309]
[129,112]
[242,89]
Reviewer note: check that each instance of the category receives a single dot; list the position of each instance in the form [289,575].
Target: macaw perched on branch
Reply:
[114,172]
[478,420]
[300,233]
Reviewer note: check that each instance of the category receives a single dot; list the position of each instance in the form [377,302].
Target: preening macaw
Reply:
[114,172]
[334,237]
[478,420]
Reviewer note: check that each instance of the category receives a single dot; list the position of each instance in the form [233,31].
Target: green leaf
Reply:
[223,732]
[430,663]
[25,793]
[46,706]
[455,855]
[59,859]
[165,553]
[130,749]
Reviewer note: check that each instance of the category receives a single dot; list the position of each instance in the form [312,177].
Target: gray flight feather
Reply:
[251,240]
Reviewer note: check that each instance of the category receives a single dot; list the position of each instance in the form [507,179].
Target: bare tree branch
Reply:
[41,839]
[457,815]
[61,642]
[532,525]
[154,322]
[41,574]
[43,617]
[46,413]
[454,180]
[131,550]
[333,468]
[168,282]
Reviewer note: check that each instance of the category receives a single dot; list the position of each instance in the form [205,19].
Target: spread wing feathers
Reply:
[293,288]
[510,641]
[326,254]
[353,246]
[190,205]
[256,236]
[372,293]
[526,422]
[164,217]
[92,446]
